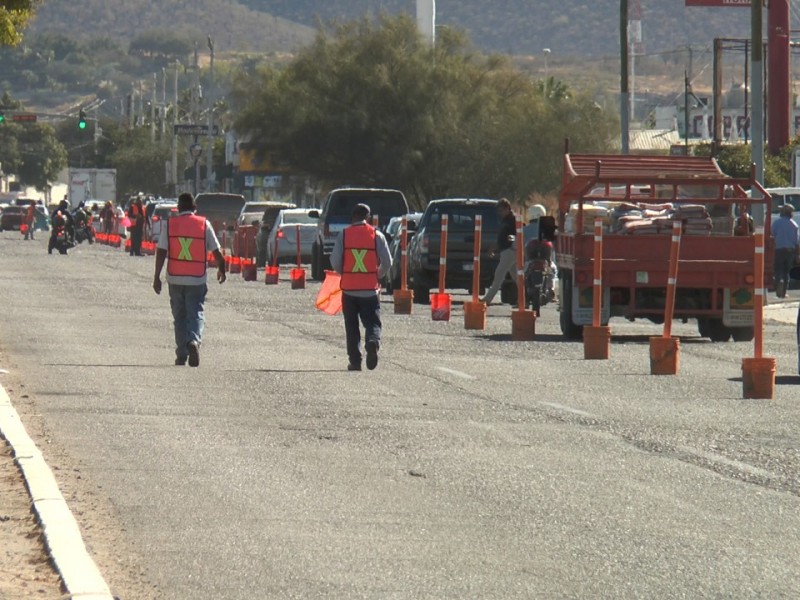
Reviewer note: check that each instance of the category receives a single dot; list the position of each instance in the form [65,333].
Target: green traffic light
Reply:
[2,118]
[81,119]
[82,125]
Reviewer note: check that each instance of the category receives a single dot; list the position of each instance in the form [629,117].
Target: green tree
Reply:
[42,155]
[139,163]
[14,16]
[372,103]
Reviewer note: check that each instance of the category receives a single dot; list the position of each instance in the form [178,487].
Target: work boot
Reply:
[372,354]
[353,366]
[194,353]
[780,289]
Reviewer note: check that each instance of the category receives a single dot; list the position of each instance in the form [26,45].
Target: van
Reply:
[336,214]
[781,196]
[221,210]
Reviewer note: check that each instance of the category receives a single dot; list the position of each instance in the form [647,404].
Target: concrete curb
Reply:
[78,571]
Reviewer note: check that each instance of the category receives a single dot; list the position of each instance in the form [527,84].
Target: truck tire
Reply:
[718,332]
[743,334]
[422,295]
[703,327]
[316,267]
[568,328]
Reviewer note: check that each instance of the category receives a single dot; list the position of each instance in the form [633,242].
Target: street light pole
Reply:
[757,120]
[210,122]
[624,100]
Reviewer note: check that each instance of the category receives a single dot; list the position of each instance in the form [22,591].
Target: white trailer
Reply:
[92,184]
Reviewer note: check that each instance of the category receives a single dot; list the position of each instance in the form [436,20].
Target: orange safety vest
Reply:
[360,259]
[187,246]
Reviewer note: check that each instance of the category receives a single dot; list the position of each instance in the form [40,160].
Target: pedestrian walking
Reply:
[787,246]
[505,248]
[185,248]
[136,215]
[30,221]
[361,256]
[107,217]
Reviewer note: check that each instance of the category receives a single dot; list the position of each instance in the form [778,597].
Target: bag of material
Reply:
[329,298]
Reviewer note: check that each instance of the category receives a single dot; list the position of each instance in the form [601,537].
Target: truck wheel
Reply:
[422,295]
[717,331]
[743,334]
[316,270]
[568,328]
[703,327]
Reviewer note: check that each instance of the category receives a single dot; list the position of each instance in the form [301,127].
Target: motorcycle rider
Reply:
[61,218]
[83,220]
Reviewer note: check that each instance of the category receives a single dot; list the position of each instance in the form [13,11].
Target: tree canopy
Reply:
[371,103]
[14,16]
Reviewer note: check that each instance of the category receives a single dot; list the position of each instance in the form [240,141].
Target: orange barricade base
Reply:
[271,275]
[758,377]
[523,325]
[403,301]
[474,315]
[440,306]
[298,278]
[664,355]
[596,342]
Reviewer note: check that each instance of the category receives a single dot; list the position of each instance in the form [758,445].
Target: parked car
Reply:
[268,219]
[393,237]
[336,214]
[12,218]
[423,252]
[284,236]
[250,212]
[222,210]
[161,214]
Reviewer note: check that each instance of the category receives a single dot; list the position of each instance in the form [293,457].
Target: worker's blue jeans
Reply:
[367,309]
[187,313]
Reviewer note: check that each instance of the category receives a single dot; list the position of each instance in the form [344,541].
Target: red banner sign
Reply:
[742,3]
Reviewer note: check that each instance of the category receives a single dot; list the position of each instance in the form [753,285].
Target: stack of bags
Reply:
[695,218]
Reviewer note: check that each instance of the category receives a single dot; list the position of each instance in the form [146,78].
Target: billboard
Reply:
[718,3]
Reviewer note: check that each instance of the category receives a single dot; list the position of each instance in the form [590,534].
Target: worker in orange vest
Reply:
[30,220]
[361,256]
[186,246]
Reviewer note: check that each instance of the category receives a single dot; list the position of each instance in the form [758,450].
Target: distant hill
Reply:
[567,27]
[522,27]
[232,25]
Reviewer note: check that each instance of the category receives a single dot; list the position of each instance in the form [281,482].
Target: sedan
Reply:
[12,218]
[161,214]
[283,236]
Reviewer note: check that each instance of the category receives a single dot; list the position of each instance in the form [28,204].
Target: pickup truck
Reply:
[638,198]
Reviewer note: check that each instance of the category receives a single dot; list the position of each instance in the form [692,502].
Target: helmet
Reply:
[537,211]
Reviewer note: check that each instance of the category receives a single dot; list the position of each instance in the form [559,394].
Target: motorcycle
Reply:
[84,233]
[539,274]
[83,229]
[64,240]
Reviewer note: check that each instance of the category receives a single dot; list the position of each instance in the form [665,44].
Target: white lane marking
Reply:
[569,409]
[456,373]
[719,459]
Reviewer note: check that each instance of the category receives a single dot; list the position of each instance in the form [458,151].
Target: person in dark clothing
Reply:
[61,217]
[505,247]
[136,215]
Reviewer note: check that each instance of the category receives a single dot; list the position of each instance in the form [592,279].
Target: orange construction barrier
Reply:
[758,373]
[329,297]
[597,338]
[665,349]
[440,303]
[298,274]
[234,264]
[523,322]
[403,298]
[475,310]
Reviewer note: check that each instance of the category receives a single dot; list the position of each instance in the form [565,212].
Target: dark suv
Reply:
[220,208]
[337,212]
[423,251]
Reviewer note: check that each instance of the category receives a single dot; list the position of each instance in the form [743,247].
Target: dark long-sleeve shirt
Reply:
[508,227]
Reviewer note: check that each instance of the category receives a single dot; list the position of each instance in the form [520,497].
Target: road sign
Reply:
[194,130]
[24,117]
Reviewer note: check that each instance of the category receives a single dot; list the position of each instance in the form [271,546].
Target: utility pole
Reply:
[210,122]
[624,104]
[757,120]
[153,110]
[174,165]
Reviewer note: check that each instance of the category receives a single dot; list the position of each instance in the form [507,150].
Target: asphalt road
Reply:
[465,466]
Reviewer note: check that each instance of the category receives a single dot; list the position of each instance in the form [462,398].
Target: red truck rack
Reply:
[638,198]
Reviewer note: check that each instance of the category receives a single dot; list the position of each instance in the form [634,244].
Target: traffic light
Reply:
[2,118]
[82,119]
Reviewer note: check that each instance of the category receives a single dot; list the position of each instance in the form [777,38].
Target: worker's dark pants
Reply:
[784,260]
[136,241]
[368,310]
